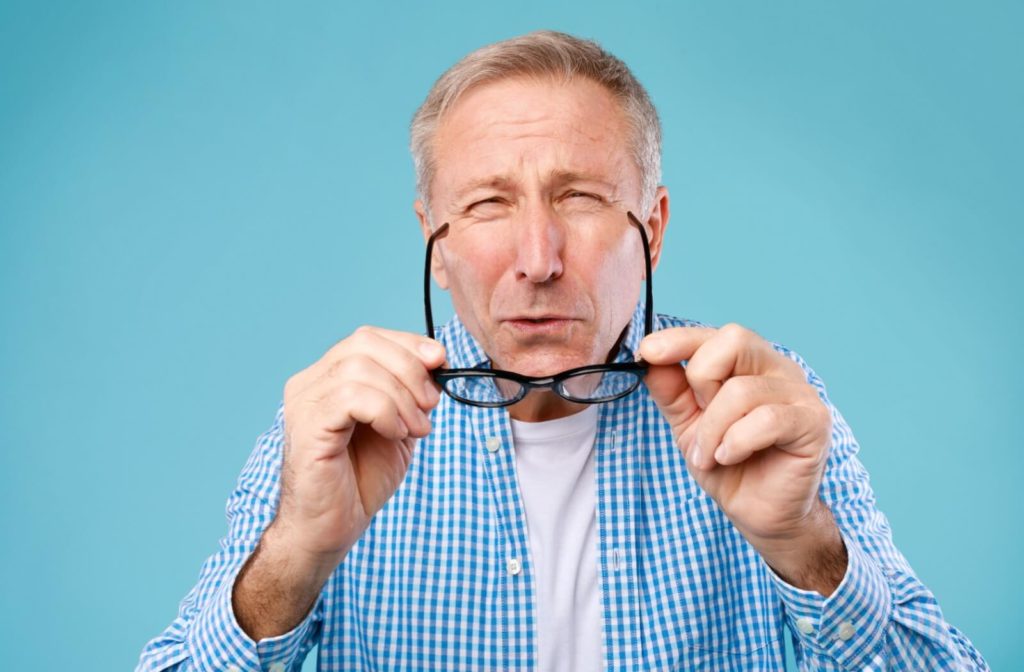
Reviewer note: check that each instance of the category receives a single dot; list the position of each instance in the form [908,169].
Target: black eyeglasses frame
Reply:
[555,383]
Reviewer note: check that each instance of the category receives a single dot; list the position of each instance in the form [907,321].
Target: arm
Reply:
[338,450]
[762,439]
[880,616]
[206,635]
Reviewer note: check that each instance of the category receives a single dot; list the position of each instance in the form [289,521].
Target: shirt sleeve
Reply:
[881,617]
[206,637]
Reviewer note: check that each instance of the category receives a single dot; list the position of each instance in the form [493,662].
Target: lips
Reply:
[538,318]
[542,324]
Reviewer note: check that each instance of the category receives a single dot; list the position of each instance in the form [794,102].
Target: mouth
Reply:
[548,324]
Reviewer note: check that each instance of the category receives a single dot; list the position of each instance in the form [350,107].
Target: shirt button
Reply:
[804,625]
[616,559]
[233,668]
[493,444]
[514,566]
[846,631]
[276,667]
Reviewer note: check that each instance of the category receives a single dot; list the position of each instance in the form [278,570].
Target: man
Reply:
[534,514]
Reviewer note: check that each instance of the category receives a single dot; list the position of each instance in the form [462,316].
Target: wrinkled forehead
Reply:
[526,128]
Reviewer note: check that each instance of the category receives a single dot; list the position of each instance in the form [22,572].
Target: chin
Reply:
[541,364]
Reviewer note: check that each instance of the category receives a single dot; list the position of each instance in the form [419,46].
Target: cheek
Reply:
[474,272]
[615,280]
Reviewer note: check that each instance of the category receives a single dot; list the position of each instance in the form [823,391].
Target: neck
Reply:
[538,406]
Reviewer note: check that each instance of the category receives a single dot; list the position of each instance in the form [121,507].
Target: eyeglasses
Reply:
[593,384]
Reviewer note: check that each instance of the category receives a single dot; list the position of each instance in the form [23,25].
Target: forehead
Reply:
[510,126]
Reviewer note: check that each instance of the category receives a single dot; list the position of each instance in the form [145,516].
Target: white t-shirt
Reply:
[555,464]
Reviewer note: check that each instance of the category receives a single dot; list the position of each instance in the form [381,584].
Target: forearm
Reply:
[276,588]
[206,634]
[880,616]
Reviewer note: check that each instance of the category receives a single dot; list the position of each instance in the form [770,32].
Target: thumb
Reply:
[672,393]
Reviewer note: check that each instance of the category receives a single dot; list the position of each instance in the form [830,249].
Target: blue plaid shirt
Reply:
[443,578]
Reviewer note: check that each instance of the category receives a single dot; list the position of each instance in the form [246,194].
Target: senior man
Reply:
[562,480]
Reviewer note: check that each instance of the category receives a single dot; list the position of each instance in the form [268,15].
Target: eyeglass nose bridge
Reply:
[539,382]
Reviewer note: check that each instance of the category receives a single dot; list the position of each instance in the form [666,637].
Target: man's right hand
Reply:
[350,422]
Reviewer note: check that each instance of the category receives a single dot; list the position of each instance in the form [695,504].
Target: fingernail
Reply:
[403,431]
[721,453]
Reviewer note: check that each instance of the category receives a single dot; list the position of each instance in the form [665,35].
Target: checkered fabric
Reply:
[443,578]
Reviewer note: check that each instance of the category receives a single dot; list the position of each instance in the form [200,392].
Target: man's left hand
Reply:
[755,436]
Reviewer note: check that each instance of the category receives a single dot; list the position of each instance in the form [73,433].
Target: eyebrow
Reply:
[499,182]
[505,183]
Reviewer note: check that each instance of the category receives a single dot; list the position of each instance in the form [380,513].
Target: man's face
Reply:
[535,178]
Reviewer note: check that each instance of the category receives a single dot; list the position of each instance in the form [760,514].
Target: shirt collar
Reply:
[465,352]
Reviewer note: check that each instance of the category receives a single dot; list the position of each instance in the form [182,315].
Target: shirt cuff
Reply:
[218,644]
[849,625]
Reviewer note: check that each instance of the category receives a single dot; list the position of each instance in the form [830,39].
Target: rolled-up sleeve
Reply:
[206,637]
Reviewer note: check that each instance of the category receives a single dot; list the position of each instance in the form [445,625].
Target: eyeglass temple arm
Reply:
[440,233]
[443,230]
[649,305]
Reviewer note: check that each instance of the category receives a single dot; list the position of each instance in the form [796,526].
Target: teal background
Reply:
[198,199]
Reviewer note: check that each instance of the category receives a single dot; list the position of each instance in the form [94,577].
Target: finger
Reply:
[732,351]
[668,387]
[427,350]
[789,427]
[354,403]
[364,370]
[739,396]
[404,364]
[673,345]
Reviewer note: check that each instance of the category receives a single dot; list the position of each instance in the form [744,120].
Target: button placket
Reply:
[617,518]
[493,433]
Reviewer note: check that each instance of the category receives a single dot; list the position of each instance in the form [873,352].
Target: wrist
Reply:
[282,547]
[276,588]
[812,557]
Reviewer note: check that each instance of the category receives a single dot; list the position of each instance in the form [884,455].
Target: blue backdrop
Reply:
[198,199]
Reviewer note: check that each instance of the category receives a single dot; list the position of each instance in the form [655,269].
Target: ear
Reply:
[657,222]
[437,268]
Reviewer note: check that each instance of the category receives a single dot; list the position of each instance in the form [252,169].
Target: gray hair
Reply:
[543,53]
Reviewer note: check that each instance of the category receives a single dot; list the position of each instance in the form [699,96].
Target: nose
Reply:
[540,244]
